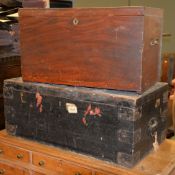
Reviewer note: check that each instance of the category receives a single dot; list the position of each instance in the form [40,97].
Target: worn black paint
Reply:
[122,134]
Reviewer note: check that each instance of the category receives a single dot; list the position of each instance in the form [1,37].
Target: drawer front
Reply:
[46,162]
[70,169]
[14,153]
[10,170]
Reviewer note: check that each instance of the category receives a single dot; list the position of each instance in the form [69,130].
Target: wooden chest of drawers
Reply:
[22,157]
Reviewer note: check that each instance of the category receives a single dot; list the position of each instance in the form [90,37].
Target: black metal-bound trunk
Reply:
[107,124]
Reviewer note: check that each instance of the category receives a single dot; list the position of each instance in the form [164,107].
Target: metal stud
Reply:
[41,163]
[19,156]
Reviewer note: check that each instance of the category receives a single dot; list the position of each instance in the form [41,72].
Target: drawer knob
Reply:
[2,171]
[19,156]
[41,163]
[78,173]
[1,151]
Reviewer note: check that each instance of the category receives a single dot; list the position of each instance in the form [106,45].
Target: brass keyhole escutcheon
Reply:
[19,156]
[2,171]
[78,173]
[41,163]
[75,21]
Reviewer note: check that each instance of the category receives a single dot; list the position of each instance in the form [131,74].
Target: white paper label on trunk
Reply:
[71,108]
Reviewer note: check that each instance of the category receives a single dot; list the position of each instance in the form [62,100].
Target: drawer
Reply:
[70,169]
[10,170]
[47,162]
[14,153]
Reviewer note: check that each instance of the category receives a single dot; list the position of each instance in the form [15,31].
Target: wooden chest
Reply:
[113,48]
[107,124]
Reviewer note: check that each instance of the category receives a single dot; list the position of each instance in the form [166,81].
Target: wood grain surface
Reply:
[105,48]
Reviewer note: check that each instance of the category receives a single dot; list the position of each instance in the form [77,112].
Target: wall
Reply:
[169,23]
[167,5]
[100,3]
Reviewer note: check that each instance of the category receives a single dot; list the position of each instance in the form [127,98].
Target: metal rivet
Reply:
[75,21]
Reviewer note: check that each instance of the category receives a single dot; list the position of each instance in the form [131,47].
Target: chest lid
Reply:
[119,11]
